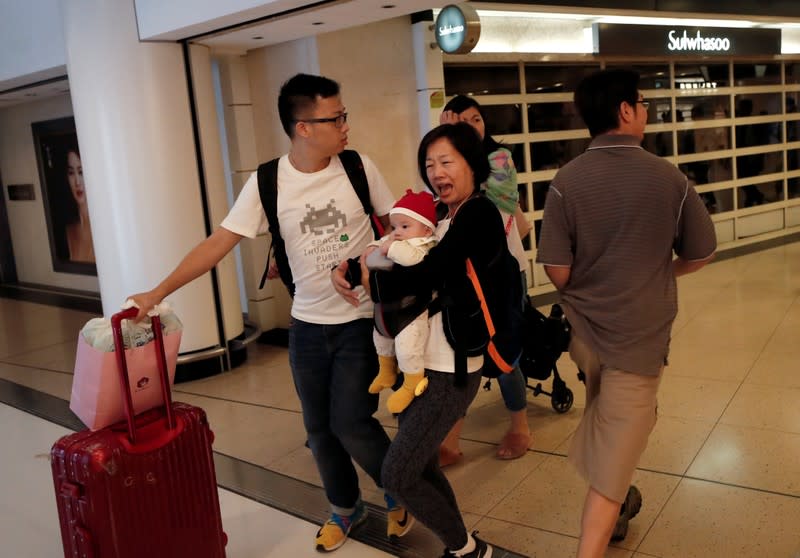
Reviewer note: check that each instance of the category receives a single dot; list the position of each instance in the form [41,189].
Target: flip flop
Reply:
[513,445]
[448,457]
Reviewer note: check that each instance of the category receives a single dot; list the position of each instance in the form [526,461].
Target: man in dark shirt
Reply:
[614,216]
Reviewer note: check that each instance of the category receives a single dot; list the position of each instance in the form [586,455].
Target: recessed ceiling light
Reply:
[257,38]
[318,23]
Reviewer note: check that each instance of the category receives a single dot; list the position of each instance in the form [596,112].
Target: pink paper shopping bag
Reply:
[96,394]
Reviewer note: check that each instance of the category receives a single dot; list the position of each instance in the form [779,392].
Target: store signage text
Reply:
[449,30]
[457,29]
[614,39]
[686,43]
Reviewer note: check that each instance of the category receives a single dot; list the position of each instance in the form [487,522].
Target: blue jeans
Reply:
[332,367]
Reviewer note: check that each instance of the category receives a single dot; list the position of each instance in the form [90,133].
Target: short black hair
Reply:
[599,95]
[464,139]
[459,104]
[300,93]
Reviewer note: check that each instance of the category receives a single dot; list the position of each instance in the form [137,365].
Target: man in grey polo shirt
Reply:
[613,218]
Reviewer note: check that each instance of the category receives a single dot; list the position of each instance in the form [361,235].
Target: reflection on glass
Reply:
[486,79]
[759,104]
[793,187]
[793,130]
[556,153]
[549,117]
[756,73]
[760,194]
[651,76]
[792,98]
[554,78]
[703,140]
[792,72]
[523,197]
[792,159]
[701,76]
[718,201]
[749,135]
[707,107]
[537,230]
[540,190]
[517,154]
[658,143]
[707,172]
[503,119]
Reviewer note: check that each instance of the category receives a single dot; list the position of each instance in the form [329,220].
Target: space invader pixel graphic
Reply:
[322,221]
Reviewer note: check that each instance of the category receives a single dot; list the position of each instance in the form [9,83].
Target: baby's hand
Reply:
[385,246]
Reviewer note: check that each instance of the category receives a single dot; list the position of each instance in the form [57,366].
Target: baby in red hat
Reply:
[413,220]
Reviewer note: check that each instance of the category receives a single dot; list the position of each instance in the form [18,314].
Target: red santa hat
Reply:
[417,205]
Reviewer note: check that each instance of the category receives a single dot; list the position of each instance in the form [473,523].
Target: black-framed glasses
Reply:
[645,104]
[338,121]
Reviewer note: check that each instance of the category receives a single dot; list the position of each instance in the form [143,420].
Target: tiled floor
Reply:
[720,477]
[32,530]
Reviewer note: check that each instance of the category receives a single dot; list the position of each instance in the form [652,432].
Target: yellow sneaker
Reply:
[413,386]
[398,521]
[387,374]
[335,531]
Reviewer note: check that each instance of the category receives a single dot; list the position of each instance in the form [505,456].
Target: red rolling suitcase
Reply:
[144,488]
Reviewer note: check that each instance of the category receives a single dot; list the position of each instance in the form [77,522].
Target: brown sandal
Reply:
[449,457]
[513,445]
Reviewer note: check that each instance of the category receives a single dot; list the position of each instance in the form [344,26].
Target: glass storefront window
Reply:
[792,72]
[792,159]
[792,100]
[486,79]
[708,107]
[540,190]
[718,201]
[703,140]
[793,187]
[503,119]
[756,73]
[750,135]
[550,117]
[651,76]
[699,75]
[658,143]
[758,104]
[555,78]
[760,163]
[759,194]
[517,153]
[554,154]
[708,172]
[793,130]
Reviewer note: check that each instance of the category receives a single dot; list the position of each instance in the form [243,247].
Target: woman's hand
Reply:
[449,117]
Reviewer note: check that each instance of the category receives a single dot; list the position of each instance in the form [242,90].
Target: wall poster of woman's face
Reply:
[64,196]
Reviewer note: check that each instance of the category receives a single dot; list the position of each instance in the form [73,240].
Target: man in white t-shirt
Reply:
[331,354]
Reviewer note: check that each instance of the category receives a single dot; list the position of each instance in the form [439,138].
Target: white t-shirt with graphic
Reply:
[322,223]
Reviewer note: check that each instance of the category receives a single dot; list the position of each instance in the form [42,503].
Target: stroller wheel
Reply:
[562,400]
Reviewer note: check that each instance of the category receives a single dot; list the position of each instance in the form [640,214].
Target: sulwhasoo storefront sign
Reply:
[661,40]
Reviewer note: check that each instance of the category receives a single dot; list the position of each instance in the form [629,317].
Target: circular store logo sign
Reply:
[457,29]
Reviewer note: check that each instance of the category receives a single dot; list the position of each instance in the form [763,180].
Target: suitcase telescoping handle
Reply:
[122,365]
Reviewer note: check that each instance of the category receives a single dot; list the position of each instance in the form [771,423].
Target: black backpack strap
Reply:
[268,191]
[354,167]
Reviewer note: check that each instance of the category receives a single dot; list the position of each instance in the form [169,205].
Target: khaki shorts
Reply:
[619,416]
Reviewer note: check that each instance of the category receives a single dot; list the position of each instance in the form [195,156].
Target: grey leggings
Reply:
[411,472]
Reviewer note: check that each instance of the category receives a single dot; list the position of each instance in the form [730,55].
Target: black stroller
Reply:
[546,337]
